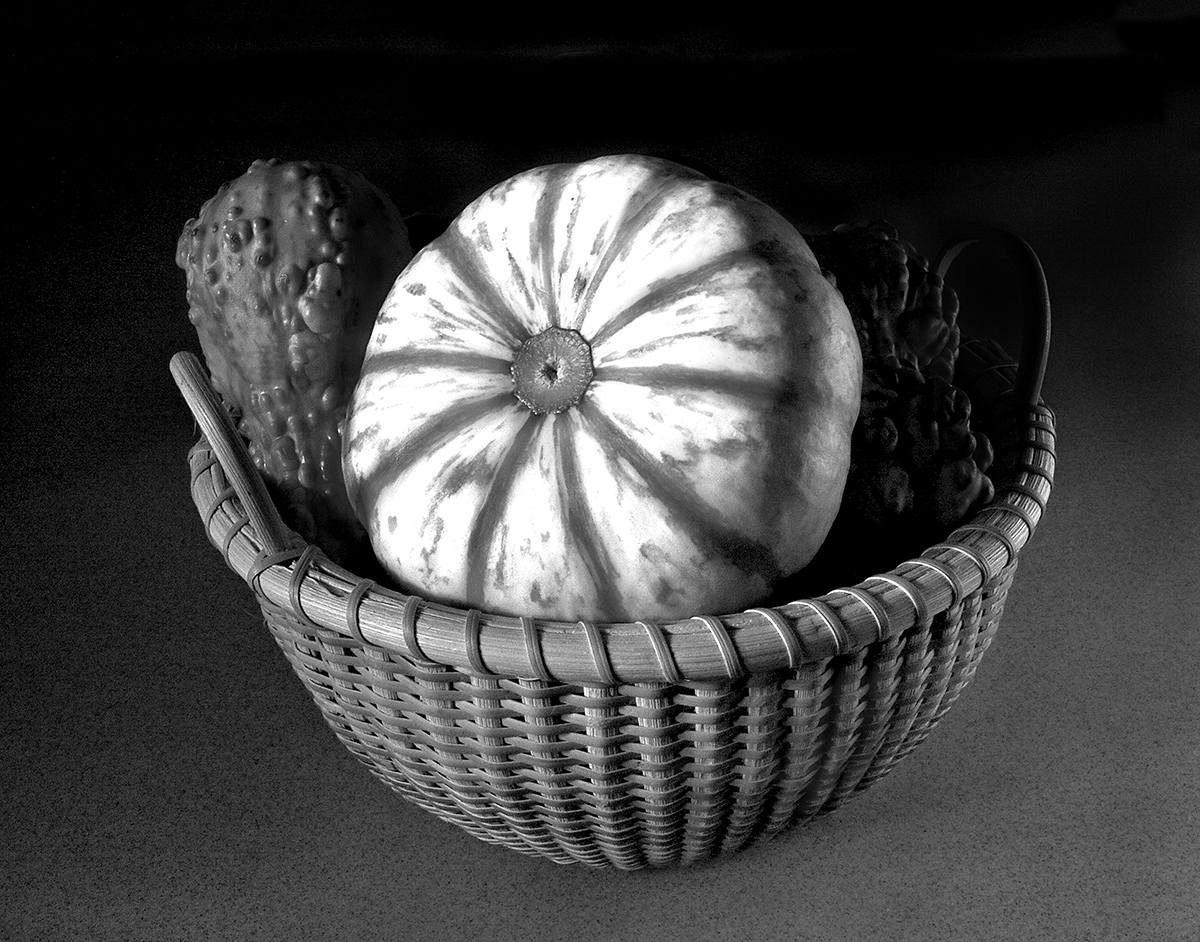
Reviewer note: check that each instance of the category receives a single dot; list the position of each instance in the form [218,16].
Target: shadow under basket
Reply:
[640,744]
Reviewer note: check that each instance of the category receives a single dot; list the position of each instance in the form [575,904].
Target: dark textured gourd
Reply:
[610,390]
[917,469]
[904,314]
[287,267]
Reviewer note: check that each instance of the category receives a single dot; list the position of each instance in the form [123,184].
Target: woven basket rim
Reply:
[294,576]
[302,580]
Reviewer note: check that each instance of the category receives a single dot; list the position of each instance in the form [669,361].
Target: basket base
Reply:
[639,776]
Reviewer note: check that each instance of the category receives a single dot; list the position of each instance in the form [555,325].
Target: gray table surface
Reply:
[165,776]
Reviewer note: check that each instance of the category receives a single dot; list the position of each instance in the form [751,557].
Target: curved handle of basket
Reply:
[1035,339]
[218,428]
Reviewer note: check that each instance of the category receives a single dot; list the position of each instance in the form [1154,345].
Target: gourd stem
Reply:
[552,370]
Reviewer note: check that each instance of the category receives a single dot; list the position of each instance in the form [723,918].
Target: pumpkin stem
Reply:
[552,370]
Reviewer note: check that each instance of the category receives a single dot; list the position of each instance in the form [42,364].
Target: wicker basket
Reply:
[634,745]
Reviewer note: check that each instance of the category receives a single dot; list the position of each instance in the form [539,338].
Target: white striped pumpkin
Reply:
[613,390]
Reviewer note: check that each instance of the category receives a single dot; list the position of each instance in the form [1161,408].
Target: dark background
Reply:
[164,776]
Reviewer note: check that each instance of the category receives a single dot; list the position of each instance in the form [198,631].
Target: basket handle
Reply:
[217,426]
[1035,334]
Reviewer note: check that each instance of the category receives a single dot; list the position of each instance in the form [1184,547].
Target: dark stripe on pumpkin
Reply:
[566,256]
[541,236]
[763,393]
[436,432]
[466,262]
[494,508]
[412,359]
[684,507]
[620,239]
[670,290]
[517,277]
[578,521]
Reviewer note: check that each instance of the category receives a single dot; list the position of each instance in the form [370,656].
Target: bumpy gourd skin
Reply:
[917,468]
[905,315]
[287,267]
[914,457]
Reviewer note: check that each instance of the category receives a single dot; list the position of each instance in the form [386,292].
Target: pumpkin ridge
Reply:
[579,283]
[397,458]
[758,391]
[619,238]
[516,275]
[411,358]
[492,511]
[580,524]
[669,290]
[466,262]
[472,318]
[695,516]
[732,336]
[541,236]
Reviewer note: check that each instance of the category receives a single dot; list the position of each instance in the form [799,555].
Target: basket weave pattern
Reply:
[646,745]
[640,774]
